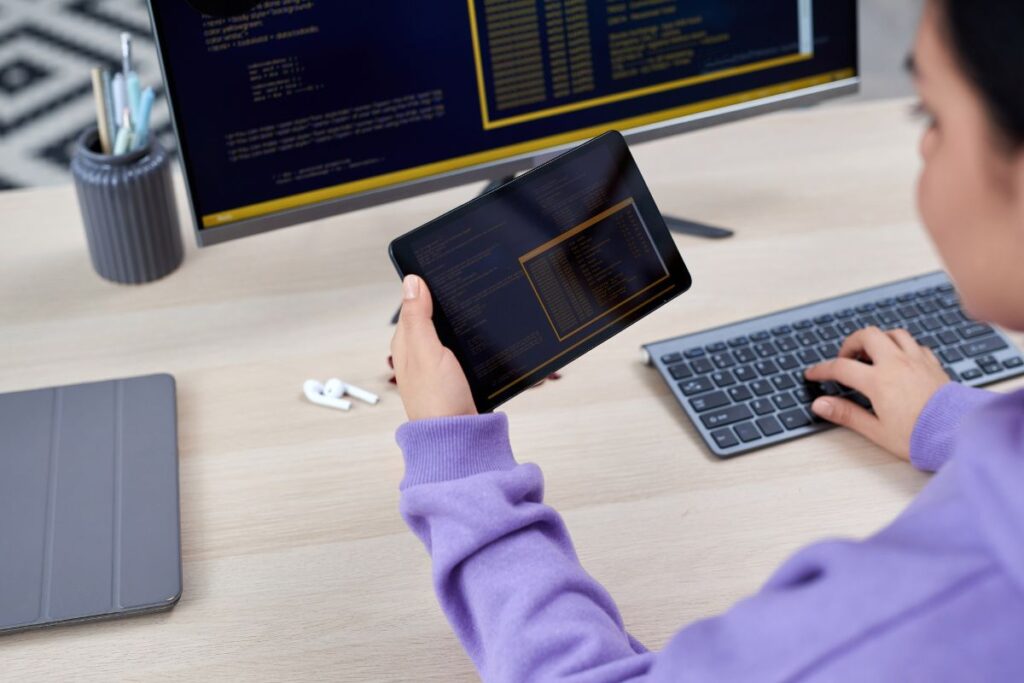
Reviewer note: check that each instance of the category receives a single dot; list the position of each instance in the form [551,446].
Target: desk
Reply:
[296,563]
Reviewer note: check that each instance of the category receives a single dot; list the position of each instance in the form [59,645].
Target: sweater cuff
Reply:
[448,448]
[934,435]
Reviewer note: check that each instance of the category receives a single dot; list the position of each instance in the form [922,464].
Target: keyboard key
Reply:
[975,330]
[787,362]
[795,419]
[982,346]
[1013,363]
[888,318]
[949,301]
[828,333]
[703,404]
[972,374]
[724,438]
[783,382]
[766,350]
[946,288]
[740,394]
[929,341]
[926,307]
[744,355]
[803,325]
[914,328]
[828,351]
[846,314]
[745,374]
[696,386]
[991,368]
[694,353]
[726,416]
[908,312]
[787,344]
[769,426]
[763,406]
[951,318]
[702,366]
[783,401]
[803,396]
[672,358]
[948,337]
[887,302]
[824,319]
[931,324]
[952,356]
[681,371]
[809,357]
[723,378]
[865,308]
[925,293]
[724,360]
[747,432]
[848,327]
[904,298]
[869,320]
[782,330]
[952,373]
[807,338]
[717,347]
[739,341]
[761,387]
[760,337]
[766,368]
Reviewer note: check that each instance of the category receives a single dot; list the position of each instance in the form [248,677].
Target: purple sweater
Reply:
[936,596]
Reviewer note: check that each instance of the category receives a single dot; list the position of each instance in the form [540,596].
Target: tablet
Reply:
[531,276]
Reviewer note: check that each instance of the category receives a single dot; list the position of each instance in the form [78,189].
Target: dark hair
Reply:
[988,41]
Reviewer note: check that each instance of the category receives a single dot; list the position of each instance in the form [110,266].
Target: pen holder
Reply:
[129,212]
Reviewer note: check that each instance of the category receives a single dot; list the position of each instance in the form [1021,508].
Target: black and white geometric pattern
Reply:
[47,48]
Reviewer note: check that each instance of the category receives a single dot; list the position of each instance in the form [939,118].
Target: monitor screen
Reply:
[295,103]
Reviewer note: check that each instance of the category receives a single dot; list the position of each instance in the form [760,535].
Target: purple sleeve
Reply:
[931,443]
[504,567]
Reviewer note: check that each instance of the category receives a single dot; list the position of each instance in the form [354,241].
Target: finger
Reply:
[870,342]
[416,326]
[905,341]
[848,414]
[849,372]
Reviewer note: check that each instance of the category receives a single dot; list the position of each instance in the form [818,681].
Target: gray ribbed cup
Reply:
[129,212]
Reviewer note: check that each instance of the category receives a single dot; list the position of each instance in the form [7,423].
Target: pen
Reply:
[108,97]
[141,137]
[126,53]
[124,134]
[101,109]
[134,90]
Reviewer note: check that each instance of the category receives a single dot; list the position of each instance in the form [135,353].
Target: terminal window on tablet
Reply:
[531,276]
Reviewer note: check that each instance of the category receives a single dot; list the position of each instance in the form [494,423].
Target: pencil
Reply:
[101,109]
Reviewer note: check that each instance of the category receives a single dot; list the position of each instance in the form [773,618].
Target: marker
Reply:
[101,110]
[141,138]
[131,80]
[126,53]
[124,135]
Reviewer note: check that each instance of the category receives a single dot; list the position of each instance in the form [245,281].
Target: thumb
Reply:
[847,414]
[417,307]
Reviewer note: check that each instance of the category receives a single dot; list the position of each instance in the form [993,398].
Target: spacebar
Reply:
[726,416]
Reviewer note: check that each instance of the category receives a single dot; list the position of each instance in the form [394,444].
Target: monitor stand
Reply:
[677,225]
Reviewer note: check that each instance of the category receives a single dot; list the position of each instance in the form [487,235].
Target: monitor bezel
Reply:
[481,172]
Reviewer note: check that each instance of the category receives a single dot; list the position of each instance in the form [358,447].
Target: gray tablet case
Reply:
[89,524]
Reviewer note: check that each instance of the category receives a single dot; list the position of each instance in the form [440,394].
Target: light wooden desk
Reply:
[297,565]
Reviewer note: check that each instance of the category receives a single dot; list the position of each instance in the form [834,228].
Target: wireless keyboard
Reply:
[742,385]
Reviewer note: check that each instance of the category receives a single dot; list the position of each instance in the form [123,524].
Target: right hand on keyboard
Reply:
[897,374]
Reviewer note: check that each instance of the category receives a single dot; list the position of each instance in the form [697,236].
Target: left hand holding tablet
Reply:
[430,379]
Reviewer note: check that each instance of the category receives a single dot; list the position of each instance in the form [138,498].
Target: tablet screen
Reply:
[531,276]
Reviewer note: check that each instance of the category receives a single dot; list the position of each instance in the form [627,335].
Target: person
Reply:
[936,596]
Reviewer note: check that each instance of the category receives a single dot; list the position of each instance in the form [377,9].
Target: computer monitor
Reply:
[294,110]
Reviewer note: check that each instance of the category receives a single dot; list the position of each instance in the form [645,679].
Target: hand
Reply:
[430,380]
[900,380]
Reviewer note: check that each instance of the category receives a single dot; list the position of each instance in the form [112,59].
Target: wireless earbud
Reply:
[321,395]
[335,387]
